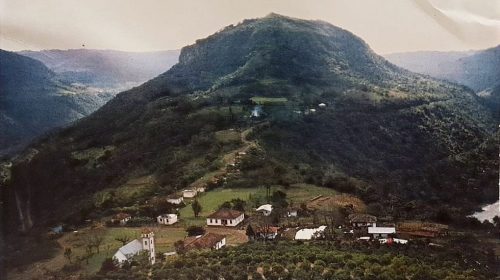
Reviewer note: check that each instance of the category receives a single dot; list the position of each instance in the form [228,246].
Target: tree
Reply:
[108,265]
[96,242]
[196,208]
[250,232]
[195,230]
[68,253]
[123,239]
[226,205]
[238,204]
[279,199]
[179,247]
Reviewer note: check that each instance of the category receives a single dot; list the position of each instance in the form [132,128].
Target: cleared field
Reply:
[165,237]
[268,100]
[340,200]
[128,193]
[210,201]
[228,136]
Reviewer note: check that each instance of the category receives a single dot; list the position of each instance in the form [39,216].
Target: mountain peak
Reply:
[277,48]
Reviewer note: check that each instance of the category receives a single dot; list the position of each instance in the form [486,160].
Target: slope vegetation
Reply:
[389,136]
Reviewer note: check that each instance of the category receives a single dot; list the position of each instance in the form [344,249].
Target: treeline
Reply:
[321,260]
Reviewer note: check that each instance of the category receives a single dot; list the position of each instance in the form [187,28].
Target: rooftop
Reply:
[308,233]
[381,230]
[362,218]
[225,214]
[131,248]
[146,231]
[168,216]
[267,230]
[265,207]
[121,216]
[205,241]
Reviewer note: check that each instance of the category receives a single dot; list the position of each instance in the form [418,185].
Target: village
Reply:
[270,215]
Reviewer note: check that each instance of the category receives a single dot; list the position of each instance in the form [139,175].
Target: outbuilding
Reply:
[381,232]
[167,219]
[265,209]
[189,193]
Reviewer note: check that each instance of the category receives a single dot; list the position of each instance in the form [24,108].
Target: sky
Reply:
[146,25]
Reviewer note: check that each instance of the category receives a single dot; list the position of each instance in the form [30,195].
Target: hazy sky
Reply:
[145,25]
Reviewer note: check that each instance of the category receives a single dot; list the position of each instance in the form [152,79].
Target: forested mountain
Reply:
[33,100]
[479,70]
[105,68]
[389,136]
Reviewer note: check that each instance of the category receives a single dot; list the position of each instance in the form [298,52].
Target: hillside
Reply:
[105,68]
[478,70]
[406,144]
[33,100]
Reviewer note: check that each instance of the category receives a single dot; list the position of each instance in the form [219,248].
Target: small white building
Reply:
[265,209]
[225,217]
[189,193]
[175,199]
[136,246]
[381,232]
[292,212]
[167,219]
[309,233]
[322,105]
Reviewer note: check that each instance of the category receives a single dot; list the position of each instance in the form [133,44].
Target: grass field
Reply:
[228,136]
[268,100]
[165,237]
[210,201]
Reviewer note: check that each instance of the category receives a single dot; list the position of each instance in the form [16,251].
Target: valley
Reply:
[276,148]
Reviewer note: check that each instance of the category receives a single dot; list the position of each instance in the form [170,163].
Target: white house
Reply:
[265,209]
[225,217]
[309,233]
[189,193]
[381,232]
[136,246]
[175,199]
[322,105]
[167,219]
[209,240]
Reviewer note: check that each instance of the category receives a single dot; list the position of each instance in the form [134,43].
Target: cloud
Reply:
[467,26]
[469,17]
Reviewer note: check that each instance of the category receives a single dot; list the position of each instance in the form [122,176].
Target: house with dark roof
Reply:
[225,217]
[121,218]
[212,241]
[267,232]
[359,220]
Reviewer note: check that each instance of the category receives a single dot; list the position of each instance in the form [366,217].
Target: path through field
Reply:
[228,159]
